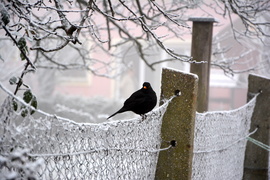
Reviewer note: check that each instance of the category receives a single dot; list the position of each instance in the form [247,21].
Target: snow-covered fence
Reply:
[57,148]
[218,149]
[220,143]
[112,150]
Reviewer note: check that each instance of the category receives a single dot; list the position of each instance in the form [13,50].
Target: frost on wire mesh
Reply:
[220,143]
[113,150]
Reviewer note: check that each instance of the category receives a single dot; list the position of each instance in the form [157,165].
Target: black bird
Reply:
[140,102]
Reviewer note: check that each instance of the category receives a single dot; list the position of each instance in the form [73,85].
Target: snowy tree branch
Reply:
[52,26]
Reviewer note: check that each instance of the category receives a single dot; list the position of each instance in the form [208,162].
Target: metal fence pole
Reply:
[178,125]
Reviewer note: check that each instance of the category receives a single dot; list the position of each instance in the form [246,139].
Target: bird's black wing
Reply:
[136,99]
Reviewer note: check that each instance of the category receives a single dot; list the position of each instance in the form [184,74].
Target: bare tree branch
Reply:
[52,26]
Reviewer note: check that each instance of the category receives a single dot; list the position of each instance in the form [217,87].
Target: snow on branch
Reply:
[105,27]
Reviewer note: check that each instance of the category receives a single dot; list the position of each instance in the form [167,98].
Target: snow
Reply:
[220,141]
[176,70]
[64,149]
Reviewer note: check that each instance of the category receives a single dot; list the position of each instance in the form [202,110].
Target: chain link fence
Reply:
[125,149]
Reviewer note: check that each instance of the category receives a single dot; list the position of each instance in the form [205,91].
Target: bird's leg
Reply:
[144,116]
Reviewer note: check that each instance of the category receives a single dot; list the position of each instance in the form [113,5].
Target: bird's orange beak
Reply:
[144,87]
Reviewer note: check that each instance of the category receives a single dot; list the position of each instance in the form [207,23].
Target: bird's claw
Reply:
[144,116]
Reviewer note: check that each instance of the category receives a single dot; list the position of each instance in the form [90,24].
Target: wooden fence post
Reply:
[256,159]
[201,48]
[178,125]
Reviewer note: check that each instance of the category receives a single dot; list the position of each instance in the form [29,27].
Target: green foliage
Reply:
[15,105]
[28,97]
[13,80]
[4,14]
[23,47]
[33,104]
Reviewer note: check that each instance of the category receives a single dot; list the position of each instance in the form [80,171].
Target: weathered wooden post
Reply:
[178,125]
[256,159]
[201,51]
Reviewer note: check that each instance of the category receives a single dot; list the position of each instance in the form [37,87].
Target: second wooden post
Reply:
[178,125]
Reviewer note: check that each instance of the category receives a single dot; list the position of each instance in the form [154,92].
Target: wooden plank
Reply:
[256,159]
[201,48]
[178,125]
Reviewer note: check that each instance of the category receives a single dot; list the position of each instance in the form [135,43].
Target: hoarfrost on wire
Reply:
[220,143]
[113,150]
[58,148]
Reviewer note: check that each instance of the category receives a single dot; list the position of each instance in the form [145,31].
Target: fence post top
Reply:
[182,72]
[203,19]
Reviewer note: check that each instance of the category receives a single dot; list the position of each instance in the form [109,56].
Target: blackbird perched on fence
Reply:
[140,102]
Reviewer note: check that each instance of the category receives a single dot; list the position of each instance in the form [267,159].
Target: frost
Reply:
[52,147]
[220,142]
[18,164]
[262,76]
[59,148]
[177,70]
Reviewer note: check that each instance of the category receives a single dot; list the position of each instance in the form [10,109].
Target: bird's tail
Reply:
[120,111]
[112,115]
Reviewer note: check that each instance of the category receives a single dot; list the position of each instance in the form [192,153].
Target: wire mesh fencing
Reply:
[220,143]
[50,147]
[126,149]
